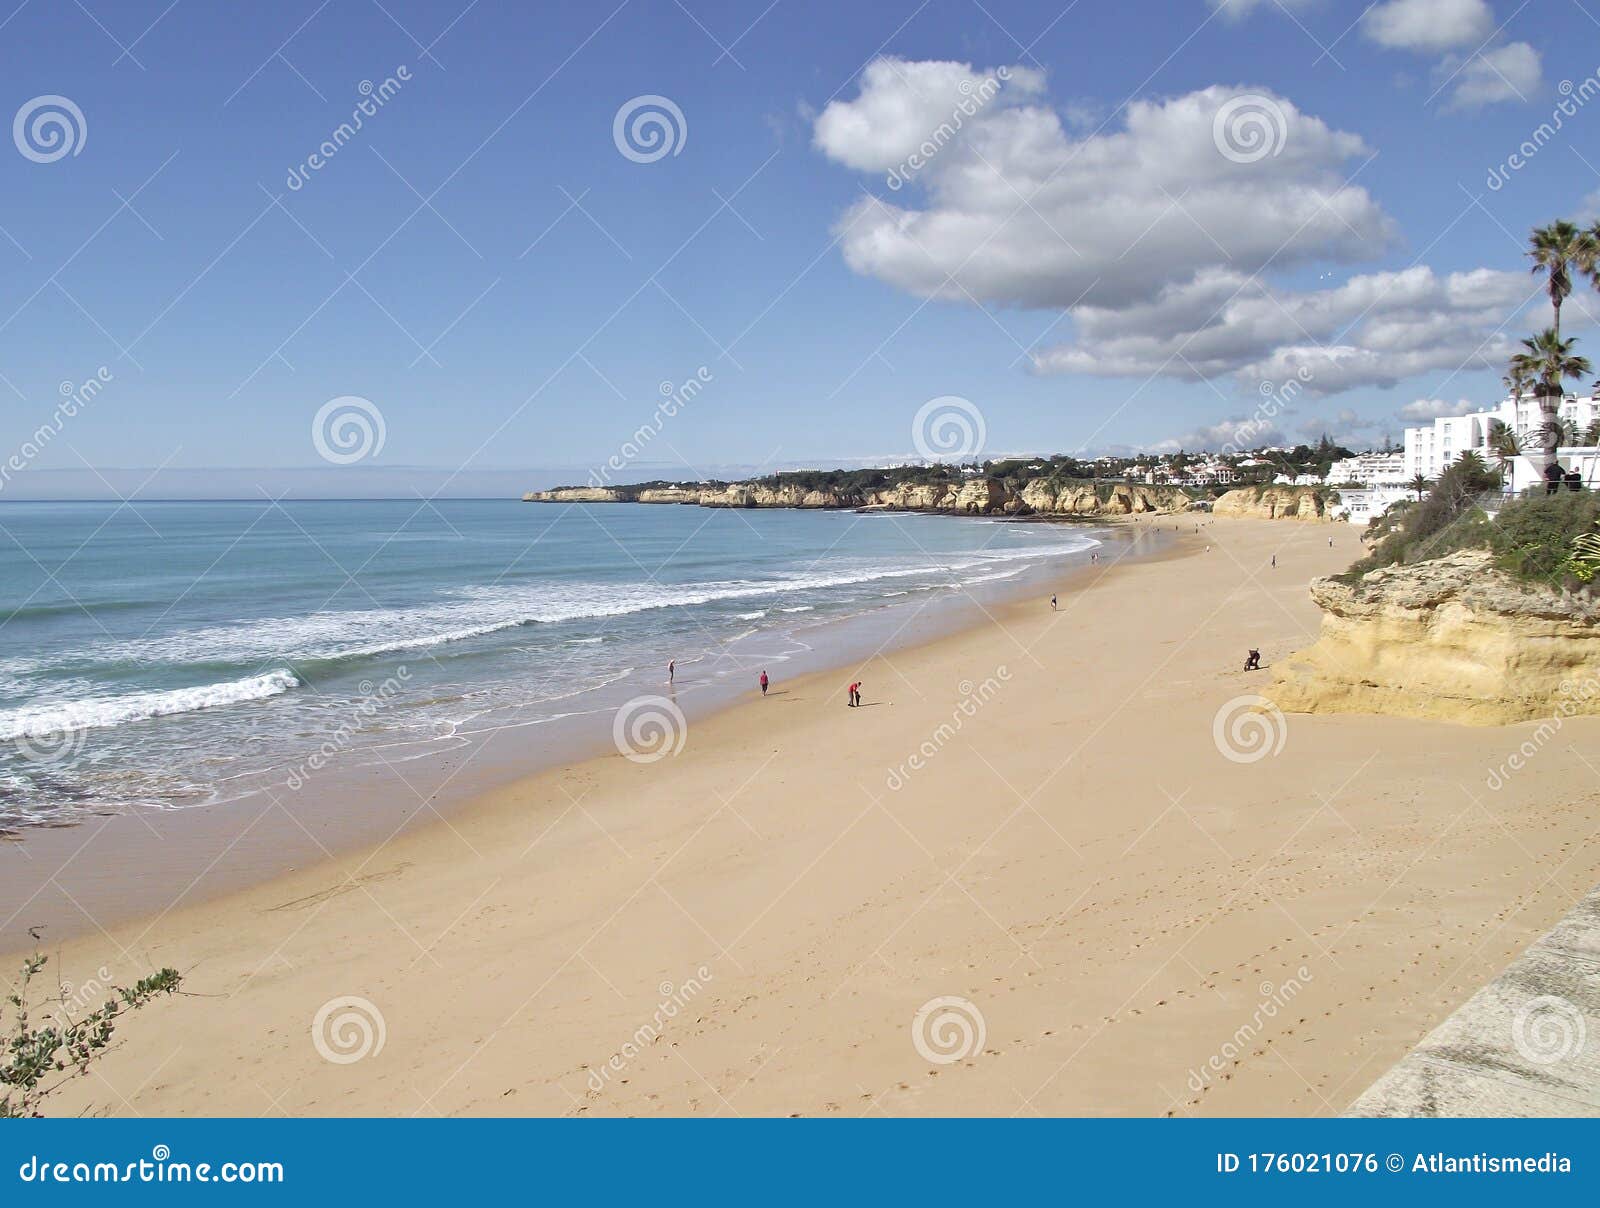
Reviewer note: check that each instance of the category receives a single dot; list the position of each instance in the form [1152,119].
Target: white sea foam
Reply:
[475,612]
[37,721]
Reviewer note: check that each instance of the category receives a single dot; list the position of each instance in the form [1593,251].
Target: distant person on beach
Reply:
[672,669]
[1274,560]
[1253,662]
[1052,603]
[854,694]
[764,682]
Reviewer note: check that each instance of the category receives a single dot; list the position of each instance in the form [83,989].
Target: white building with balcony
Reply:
[1369,469]
[1429,450]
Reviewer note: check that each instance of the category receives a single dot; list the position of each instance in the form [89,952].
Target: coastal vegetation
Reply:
[47,1044]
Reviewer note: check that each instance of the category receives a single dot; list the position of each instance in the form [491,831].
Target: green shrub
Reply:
[1534,536]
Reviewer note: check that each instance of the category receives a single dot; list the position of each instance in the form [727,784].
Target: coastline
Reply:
[229,846]
[1080,863]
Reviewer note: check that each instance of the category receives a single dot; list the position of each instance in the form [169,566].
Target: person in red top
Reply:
[763,683]
[855,694]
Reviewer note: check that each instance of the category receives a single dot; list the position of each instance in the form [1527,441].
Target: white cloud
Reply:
[1374,330]
[903,104]
[1429,25]
[1507,73]
[1427,409]
[1019,212]
[1236,432]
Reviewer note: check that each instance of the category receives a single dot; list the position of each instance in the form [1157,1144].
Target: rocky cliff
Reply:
[1452,639]
[1274,503]
[973,496]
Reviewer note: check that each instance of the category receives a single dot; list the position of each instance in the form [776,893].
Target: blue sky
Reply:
[509,290]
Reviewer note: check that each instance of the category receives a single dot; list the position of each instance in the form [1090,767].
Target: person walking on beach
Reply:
[1274,561]
[672,669]
[764,682]
[1052,604]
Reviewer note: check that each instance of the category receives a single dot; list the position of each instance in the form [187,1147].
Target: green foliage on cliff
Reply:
[1538,538]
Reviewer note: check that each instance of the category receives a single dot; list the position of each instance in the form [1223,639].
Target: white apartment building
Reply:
[1369,469]
[1429,450]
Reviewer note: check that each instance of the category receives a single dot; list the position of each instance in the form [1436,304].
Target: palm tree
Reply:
[1556,251]
[1505,446]
[1420,485]
[1547,361]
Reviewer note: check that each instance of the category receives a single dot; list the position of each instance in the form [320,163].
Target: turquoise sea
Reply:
[176,655]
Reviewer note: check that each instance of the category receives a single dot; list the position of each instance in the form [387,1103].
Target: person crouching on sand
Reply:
[764,682]
[854,693]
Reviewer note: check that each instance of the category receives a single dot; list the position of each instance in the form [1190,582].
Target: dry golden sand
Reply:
[1112,895]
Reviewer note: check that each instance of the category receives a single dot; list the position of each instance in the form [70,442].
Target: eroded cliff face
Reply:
[975,496]
[1274,503]
[1453,639]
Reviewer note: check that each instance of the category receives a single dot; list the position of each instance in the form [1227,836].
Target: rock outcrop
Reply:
[1452,639]
[1274,503]
[973,496]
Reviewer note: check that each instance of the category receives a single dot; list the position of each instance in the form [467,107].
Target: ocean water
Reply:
[178,655]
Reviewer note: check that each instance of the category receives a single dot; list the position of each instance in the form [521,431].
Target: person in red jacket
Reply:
[763,683]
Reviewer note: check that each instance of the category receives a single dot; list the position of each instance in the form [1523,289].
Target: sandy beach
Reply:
[1139,910]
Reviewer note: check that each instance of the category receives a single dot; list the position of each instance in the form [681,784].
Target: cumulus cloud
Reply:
[1374,330]
[1511,72]
[1020,212]
[1425,410]
[1154,235]
[1232,434]
[1429,25]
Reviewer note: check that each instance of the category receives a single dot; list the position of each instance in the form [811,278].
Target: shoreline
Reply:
[232,845]
[1077,861]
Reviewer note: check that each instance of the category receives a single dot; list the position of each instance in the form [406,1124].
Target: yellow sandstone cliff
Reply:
[1452,639]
